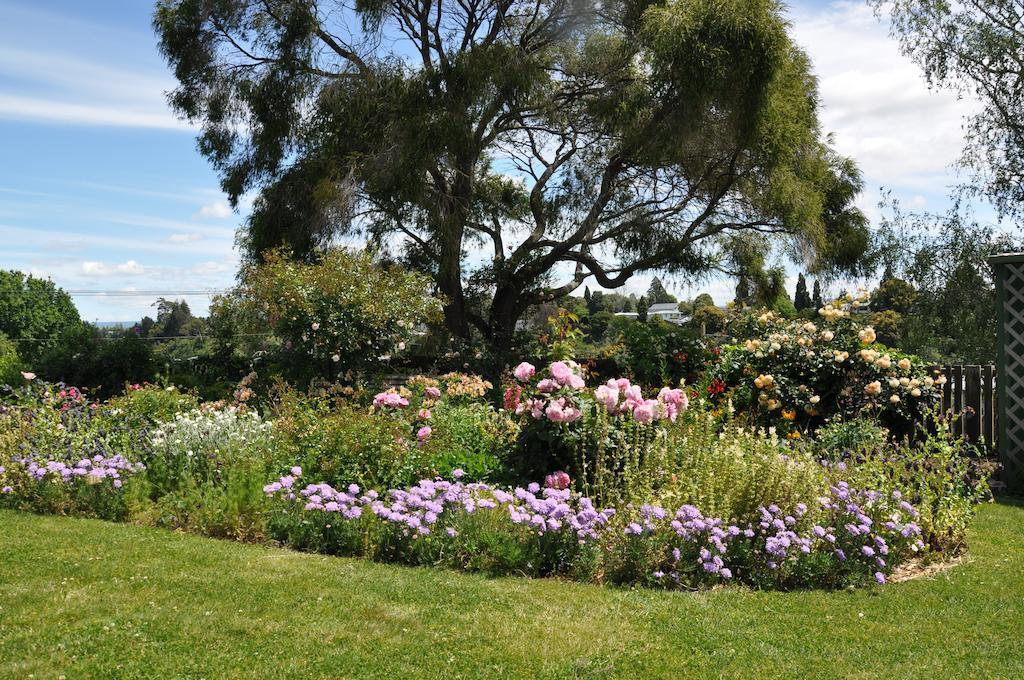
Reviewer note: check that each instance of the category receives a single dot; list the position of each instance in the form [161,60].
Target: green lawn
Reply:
[83,598]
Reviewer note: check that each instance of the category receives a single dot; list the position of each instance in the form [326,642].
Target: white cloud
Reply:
[218,210]
[876,102]
[59,110]
[130,268]
[184,238]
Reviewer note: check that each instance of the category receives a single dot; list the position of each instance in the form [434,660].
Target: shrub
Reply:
[10,363]
[793,375]
[730,471]
[344,311]
[943,476]
[205,445]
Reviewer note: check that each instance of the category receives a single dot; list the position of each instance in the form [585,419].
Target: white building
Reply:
[669,311]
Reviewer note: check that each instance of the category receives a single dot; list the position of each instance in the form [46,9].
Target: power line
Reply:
[157,337]
[119,293]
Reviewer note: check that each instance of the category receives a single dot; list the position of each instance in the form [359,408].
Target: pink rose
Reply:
[524,371]
[433,392]
[392,399]
[424,414]
[608,396]
[547,385]
[561,372]
[423,434]
[644,413]
[28,375]
[557,480]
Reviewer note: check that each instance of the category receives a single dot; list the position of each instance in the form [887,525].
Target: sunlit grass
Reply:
[84,598]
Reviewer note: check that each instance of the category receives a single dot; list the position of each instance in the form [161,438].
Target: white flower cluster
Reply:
[213,432]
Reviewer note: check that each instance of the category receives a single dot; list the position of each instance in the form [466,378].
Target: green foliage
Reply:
[730,471]
[102,362]
[895,295]
[840,439]
[656,292]
[711,319]
[10,362]
[36,313]
[344,311]
[153,404]
[620,116]
[942,476]
[943,259]
[802,298]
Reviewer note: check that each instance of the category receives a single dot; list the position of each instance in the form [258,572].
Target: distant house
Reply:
[628,315]
[669,311]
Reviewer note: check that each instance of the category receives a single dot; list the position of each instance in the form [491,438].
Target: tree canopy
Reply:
[512,149]
[35,313]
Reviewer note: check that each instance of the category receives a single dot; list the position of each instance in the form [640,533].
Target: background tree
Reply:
[975,48]
[709,319]
[802,298]
[703,300]
[944,260]
[816,296]
[641,308]
[893,294]
[10,363]
[743,293]
[631,136]
[656,292]
[35,314]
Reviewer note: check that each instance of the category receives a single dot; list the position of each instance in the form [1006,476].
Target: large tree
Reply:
[514,148]
[975,48]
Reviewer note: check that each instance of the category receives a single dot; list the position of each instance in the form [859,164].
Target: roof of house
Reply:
[663,307]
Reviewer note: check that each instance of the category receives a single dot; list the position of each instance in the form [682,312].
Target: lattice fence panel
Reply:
[1011,372]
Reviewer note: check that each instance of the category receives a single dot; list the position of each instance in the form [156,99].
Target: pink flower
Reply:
[423,434]
[547,385]
[28,375]
[561,372]
[424,414]
[560,412]
[392,399]
[524,371]
[557,480]
[576,382]
[645,412]
[433,392]
[608,396]
[511,400]
[633,396]
[621,383]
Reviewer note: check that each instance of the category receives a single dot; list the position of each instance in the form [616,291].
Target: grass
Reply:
[83,598]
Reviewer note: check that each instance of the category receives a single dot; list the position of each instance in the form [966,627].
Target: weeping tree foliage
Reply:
[975,48]
[512,149]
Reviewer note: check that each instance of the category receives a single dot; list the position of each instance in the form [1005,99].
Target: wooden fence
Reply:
[969,395]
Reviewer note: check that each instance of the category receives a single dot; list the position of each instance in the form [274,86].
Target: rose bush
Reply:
[795,374]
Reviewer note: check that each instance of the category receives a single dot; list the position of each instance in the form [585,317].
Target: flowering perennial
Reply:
[859,531]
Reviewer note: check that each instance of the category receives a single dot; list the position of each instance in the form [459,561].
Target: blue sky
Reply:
[101,188]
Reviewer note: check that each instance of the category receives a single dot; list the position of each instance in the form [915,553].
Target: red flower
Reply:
[512,395]
[717,386]
[681,357]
